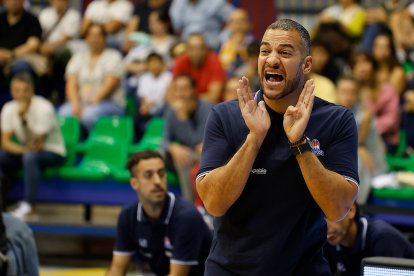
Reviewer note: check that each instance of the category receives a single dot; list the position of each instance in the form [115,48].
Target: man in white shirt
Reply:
[114,15]
[31,120]
[60,25]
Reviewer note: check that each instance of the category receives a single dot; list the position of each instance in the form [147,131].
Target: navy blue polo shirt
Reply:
[374,238]
[179,236]
[275,227]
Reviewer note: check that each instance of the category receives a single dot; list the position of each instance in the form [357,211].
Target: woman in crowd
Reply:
[93,81]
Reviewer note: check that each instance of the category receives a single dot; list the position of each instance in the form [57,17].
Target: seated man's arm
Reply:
[113,26]
[214,92]
[29,47]
[110,83]
[9,146]
[119,265]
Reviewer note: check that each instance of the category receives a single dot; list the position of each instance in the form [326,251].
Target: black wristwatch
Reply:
[301,146]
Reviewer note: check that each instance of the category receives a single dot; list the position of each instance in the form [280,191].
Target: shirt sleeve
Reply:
[35,29]
[124,244]
[74,65]
[72,25]
[216,147]
[6,119]
[388,117]
[122,11]
[188,240]
[342,154]
[217,71]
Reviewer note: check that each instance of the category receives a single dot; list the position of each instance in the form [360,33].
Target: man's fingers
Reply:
[246,83]
[309,88]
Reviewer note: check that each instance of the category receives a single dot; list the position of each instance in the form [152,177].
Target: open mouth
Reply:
[273,77]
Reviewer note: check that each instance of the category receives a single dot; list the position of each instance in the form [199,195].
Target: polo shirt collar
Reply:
[166,213]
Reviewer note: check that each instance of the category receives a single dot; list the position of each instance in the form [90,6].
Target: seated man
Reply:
[166,234]
[185,119]
[32,121]
[20,35]
[356,237]
[19,246]
[203,65]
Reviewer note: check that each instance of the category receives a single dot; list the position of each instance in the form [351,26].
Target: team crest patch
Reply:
[316,147]
[167,243]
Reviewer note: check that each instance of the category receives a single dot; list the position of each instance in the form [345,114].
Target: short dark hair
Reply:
[154,55]
[289,25]
[100,26]
[187,76]
[141,155]
[347,76]
[24,77]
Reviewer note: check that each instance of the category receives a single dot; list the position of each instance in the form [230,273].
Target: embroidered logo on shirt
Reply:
[316,147]
[167,243]
[259,171]
[143,243]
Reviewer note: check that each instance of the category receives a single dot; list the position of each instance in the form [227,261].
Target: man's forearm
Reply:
[220,188]
[331,191]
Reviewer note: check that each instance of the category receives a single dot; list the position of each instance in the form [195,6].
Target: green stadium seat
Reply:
[101,159]
[398,161]
[70,128]
[152,138]
[405,193]
[109,128]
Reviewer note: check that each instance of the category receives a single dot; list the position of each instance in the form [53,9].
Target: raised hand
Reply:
[296,117]
[255,115]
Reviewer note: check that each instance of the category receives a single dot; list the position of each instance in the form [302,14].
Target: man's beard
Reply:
[291,86]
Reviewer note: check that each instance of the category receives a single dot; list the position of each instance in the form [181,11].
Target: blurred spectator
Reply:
[203,66]
[164,234]
[19,247]
[114,15]
[324,61]
[378,14]
[185,119]
[152,88]
[249,67]
[200,16]
[342,24]
[356,237]
[20,35]
[236,38]
[389,69]
[408,116]
[230,89]
[324,87]
[381,98]
[140,19]
[93,81]
[371,148]
[60,24]
[402,26]
[160,40]
[32,121]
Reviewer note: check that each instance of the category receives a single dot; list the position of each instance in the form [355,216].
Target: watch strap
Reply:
[299,149]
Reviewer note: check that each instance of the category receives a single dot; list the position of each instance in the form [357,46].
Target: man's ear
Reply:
[134,183]
[352,212]
[307,65]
